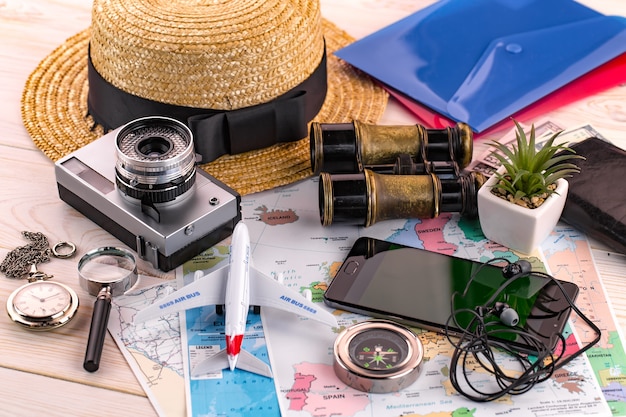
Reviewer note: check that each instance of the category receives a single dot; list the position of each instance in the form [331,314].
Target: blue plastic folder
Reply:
[480,61]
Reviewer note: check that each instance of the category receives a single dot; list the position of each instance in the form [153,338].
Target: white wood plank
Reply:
[26,394]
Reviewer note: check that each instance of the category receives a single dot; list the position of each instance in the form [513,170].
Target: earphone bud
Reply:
[507,315]
[521,267]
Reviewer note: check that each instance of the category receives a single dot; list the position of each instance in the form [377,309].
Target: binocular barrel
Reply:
[366,197]
[405,166]
[353,147]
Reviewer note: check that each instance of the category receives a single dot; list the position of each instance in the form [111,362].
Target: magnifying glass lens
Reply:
[107,269]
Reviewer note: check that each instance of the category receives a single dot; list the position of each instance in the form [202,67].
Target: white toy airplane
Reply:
[237,286]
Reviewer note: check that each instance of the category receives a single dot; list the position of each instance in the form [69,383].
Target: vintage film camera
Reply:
[140,183]
[370,173]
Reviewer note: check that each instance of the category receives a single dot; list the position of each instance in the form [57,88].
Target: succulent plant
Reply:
[530,174]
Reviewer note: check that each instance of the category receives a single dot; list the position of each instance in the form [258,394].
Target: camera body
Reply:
[164,230]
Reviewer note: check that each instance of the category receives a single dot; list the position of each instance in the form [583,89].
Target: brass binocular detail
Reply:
[353,147]
[366,197]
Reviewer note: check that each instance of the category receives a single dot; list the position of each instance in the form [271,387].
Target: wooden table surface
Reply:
[41,373]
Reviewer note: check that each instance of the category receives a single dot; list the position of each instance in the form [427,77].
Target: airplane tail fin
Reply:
[213,364]
[248,362]
[245,360]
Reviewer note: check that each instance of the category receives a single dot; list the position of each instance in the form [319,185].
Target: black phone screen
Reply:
[416,286]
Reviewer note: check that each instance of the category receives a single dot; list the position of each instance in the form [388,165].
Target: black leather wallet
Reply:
[596,201]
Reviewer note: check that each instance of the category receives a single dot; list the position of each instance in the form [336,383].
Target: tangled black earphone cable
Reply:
[479,340]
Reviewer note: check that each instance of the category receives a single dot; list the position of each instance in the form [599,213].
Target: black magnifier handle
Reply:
[98,329]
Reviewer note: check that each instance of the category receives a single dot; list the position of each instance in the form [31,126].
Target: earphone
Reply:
[507,315]
[520,268]
[482,337]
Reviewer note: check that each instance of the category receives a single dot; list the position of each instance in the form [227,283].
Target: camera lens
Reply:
[156,161]
[154,147]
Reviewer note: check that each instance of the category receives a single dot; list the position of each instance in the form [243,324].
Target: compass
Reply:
[378,356]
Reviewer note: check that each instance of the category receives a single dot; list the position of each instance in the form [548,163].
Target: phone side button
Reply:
[351,267]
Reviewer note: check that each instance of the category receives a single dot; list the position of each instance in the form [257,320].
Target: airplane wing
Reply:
[208,290]
[265,291]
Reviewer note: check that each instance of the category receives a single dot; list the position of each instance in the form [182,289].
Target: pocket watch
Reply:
[42,304]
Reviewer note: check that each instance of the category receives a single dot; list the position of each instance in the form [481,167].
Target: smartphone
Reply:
[422,289]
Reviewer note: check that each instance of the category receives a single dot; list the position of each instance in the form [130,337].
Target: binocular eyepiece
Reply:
[366,197]
[353,147]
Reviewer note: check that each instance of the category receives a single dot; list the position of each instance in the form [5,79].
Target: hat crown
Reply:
[221,55]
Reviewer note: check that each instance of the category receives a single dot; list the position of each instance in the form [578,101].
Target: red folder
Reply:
[602,78]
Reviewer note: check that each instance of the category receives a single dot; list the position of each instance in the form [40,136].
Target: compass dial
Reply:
[378,349]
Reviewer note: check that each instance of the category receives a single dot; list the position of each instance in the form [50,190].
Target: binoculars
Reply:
[352,147]
[369,173]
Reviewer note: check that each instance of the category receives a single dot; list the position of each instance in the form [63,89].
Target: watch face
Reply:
[42,299]
[42,305]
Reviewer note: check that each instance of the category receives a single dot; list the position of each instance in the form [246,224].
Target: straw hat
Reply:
[222,56]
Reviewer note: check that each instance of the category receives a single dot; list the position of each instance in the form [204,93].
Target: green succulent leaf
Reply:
[528,171]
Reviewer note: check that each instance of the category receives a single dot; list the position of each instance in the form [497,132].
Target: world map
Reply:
[287,238]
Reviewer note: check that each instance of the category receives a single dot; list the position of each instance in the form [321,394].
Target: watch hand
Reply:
[44,299]
[41,300]
[51,296]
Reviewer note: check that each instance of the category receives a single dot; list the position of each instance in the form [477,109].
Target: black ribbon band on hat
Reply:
[217,132]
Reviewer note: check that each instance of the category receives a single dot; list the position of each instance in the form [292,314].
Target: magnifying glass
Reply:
[104,272]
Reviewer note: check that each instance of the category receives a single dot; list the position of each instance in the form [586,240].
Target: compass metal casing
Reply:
[378,356]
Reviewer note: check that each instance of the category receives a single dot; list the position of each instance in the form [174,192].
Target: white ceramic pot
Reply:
[516,227]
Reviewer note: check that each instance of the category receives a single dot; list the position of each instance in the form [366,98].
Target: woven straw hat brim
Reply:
[54,112]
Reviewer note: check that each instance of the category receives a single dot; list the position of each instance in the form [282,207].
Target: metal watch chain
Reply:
[25,258]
